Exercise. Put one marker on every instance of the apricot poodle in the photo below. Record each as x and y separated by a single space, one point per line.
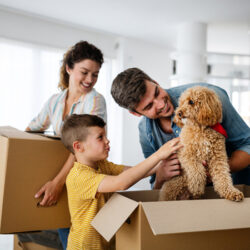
199 112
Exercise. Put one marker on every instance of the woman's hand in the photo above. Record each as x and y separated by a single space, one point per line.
50 192
52 189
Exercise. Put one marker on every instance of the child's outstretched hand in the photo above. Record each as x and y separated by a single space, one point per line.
169 148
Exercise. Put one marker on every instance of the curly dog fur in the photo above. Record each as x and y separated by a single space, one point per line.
199 109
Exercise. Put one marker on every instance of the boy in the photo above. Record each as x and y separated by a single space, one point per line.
92 176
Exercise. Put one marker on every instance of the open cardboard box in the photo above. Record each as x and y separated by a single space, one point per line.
140 221
27 162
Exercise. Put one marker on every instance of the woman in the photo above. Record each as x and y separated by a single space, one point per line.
78 75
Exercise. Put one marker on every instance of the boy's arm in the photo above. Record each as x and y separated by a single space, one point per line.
132 175
126 168
149 173
153 170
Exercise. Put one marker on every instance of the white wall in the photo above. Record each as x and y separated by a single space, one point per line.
27 28
232 38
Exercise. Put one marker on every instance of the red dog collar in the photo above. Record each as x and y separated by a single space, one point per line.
218 127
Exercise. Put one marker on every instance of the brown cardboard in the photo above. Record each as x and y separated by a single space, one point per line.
117 202
208 223
27 161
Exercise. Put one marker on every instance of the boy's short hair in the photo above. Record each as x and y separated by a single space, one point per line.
129 87
75 128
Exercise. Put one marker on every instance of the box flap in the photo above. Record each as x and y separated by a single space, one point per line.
114 213
169 217
11 132
141 195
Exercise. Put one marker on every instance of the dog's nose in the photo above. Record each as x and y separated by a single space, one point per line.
180 114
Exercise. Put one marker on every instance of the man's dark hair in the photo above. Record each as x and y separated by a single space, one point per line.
75 128
129 87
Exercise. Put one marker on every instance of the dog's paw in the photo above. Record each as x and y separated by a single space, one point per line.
235 196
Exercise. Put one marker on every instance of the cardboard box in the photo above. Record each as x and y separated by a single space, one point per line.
27 162
140 221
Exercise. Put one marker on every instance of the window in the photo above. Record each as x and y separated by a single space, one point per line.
232 73
30 75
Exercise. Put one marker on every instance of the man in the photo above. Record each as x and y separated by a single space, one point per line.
142 96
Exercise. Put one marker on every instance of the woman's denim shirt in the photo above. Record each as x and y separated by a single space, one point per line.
151 138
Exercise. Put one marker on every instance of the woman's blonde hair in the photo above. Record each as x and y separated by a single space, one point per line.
80 51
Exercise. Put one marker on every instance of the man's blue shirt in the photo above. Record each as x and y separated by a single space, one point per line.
152 137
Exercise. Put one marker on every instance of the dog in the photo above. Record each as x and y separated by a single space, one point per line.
198 114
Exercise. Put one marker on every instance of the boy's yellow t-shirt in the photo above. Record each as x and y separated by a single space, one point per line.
84 202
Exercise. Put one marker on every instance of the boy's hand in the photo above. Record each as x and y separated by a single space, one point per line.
51 192
169 148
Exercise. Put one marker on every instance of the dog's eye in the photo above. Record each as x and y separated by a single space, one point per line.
191 102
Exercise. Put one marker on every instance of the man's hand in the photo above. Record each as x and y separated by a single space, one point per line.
51 192
167 169
239 160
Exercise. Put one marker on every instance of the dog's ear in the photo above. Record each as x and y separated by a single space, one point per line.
210 111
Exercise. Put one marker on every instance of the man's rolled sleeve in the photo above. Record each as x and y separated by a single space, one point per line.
237 130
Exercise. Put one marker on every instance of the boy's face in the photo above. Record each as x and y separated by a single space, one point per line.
155 103
96 145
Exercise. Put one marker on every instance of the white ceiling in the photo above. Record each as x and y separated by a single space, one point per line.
151 20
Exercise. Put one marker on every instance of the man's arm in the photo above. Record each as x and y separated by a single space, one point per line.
239 160
238 141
